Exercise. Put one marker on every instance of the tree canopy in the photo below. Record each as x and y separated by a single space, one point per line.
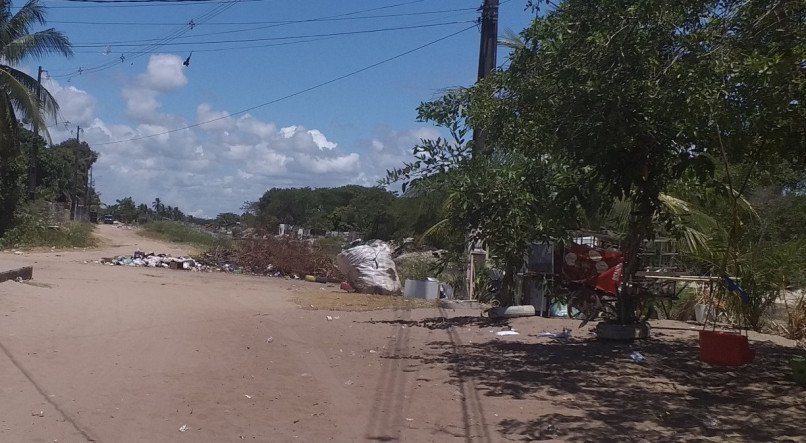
619 102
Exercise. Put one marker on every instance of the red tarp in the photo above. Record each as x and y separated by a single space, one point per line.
596 267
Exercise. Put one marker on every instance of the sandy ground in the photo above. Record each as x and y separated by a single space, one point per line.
100 353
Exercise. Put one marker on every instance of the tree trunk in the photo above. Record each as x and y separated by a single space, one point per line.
638 230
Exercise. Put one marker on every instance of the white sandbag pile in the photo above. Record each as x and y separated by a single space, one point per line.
369 268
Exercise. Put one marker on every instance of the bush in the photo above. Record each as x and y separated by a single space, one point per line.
32 230
795 322
416 266
178 232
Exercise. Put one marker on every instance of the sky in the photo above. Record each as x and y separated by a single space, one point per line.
274 94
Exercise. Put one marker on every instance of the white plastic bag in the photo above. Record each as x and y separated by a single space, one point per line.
369 268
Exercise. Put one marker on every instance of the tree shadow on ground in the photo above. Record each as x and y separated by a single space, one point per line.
601 394
435 323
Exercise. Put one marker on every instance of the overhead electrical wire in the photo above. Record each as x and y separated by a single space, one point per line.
267 22
262 39
259 28
294 94
236 48
143 1
184 3
147 49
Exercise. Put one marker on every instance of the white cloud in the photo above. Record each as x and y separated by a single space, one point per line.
78 104
323 165
164 73
216 166
320 140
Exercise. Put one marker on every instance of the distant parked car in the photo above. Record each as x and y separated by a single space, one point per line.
108 219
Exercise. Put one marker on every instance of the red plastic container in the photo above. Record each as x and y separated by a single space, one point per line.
725 348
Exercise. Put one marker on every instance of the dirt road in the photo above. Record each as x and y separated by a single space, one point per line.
100 353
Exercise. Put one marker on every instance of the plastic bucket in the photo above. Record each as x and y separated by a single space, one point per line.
724 348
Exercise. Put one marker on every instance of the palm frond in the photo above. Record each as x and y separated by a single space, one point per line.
436 231
22 21
47 103
695 223
511 40
20 94
38 44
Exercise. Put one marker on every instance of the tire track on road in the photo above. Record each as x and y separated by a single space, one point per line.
386 414
473 419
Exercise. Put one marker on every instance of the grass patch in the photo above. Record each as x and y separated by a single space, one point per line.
178 232
33 235
33 230
314 298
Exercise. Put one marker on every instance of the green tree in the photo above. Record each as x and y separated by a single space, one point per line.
225 219
126 210
158 207
615 101
18 92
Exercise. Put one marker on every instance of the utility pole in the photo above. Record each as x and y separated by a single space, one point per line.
488 46
33 166
78 131
488 49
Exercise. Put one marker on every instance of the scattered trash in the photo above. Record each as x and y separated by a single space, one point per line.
38 414
550 429
247 396
183 428
637 357
329 318
409 419
503 333
344 286
566 333
348 383
270 339
153 260
710 422
257 257
372 351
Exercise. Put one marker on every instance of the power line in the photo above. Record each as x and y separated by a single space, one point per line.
196 21
213 12
294 94
143 5
184 3
143 1
270 22
236 48
262 39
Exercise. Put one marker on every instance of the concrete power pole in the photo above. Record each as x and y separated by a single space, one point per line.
488 49
33 167
489 38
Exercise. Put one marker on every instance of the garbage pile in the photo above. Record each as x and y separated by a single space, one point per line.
268 257
152 260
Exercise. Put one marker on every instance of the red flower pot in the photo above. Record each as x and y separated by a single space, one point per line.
725 348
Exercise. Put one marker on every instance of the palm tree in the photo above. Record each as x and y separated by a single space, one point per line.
18 91
158 206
